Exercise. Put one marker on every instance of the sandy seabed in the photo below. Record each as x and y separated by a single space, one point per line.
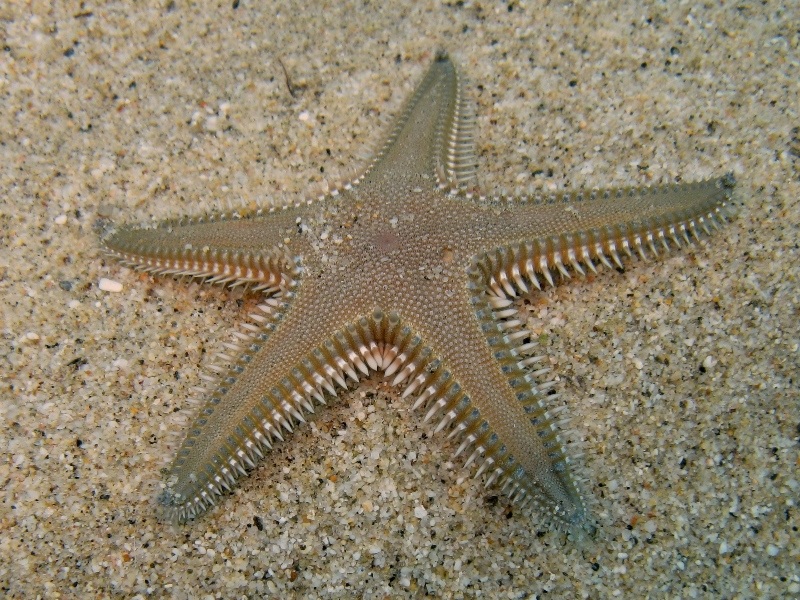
681 374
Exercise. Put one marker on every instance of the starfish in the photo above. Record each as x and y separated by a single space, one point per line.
407 271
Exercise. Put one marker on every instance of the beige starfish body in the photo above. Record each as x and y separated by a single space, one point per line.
404 272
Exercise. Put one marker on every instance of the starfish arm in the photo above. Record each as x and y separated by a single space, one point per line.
574 231
497 402
222 249
433 137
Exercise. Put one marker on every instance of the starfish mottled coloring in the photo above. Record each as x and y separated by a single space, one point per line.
406 272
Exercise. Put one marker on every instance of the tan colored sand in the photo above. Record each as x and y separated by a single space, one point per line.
681 375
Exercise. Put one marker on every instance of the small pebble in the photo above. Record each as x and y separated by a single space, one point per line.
106 211
109 285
